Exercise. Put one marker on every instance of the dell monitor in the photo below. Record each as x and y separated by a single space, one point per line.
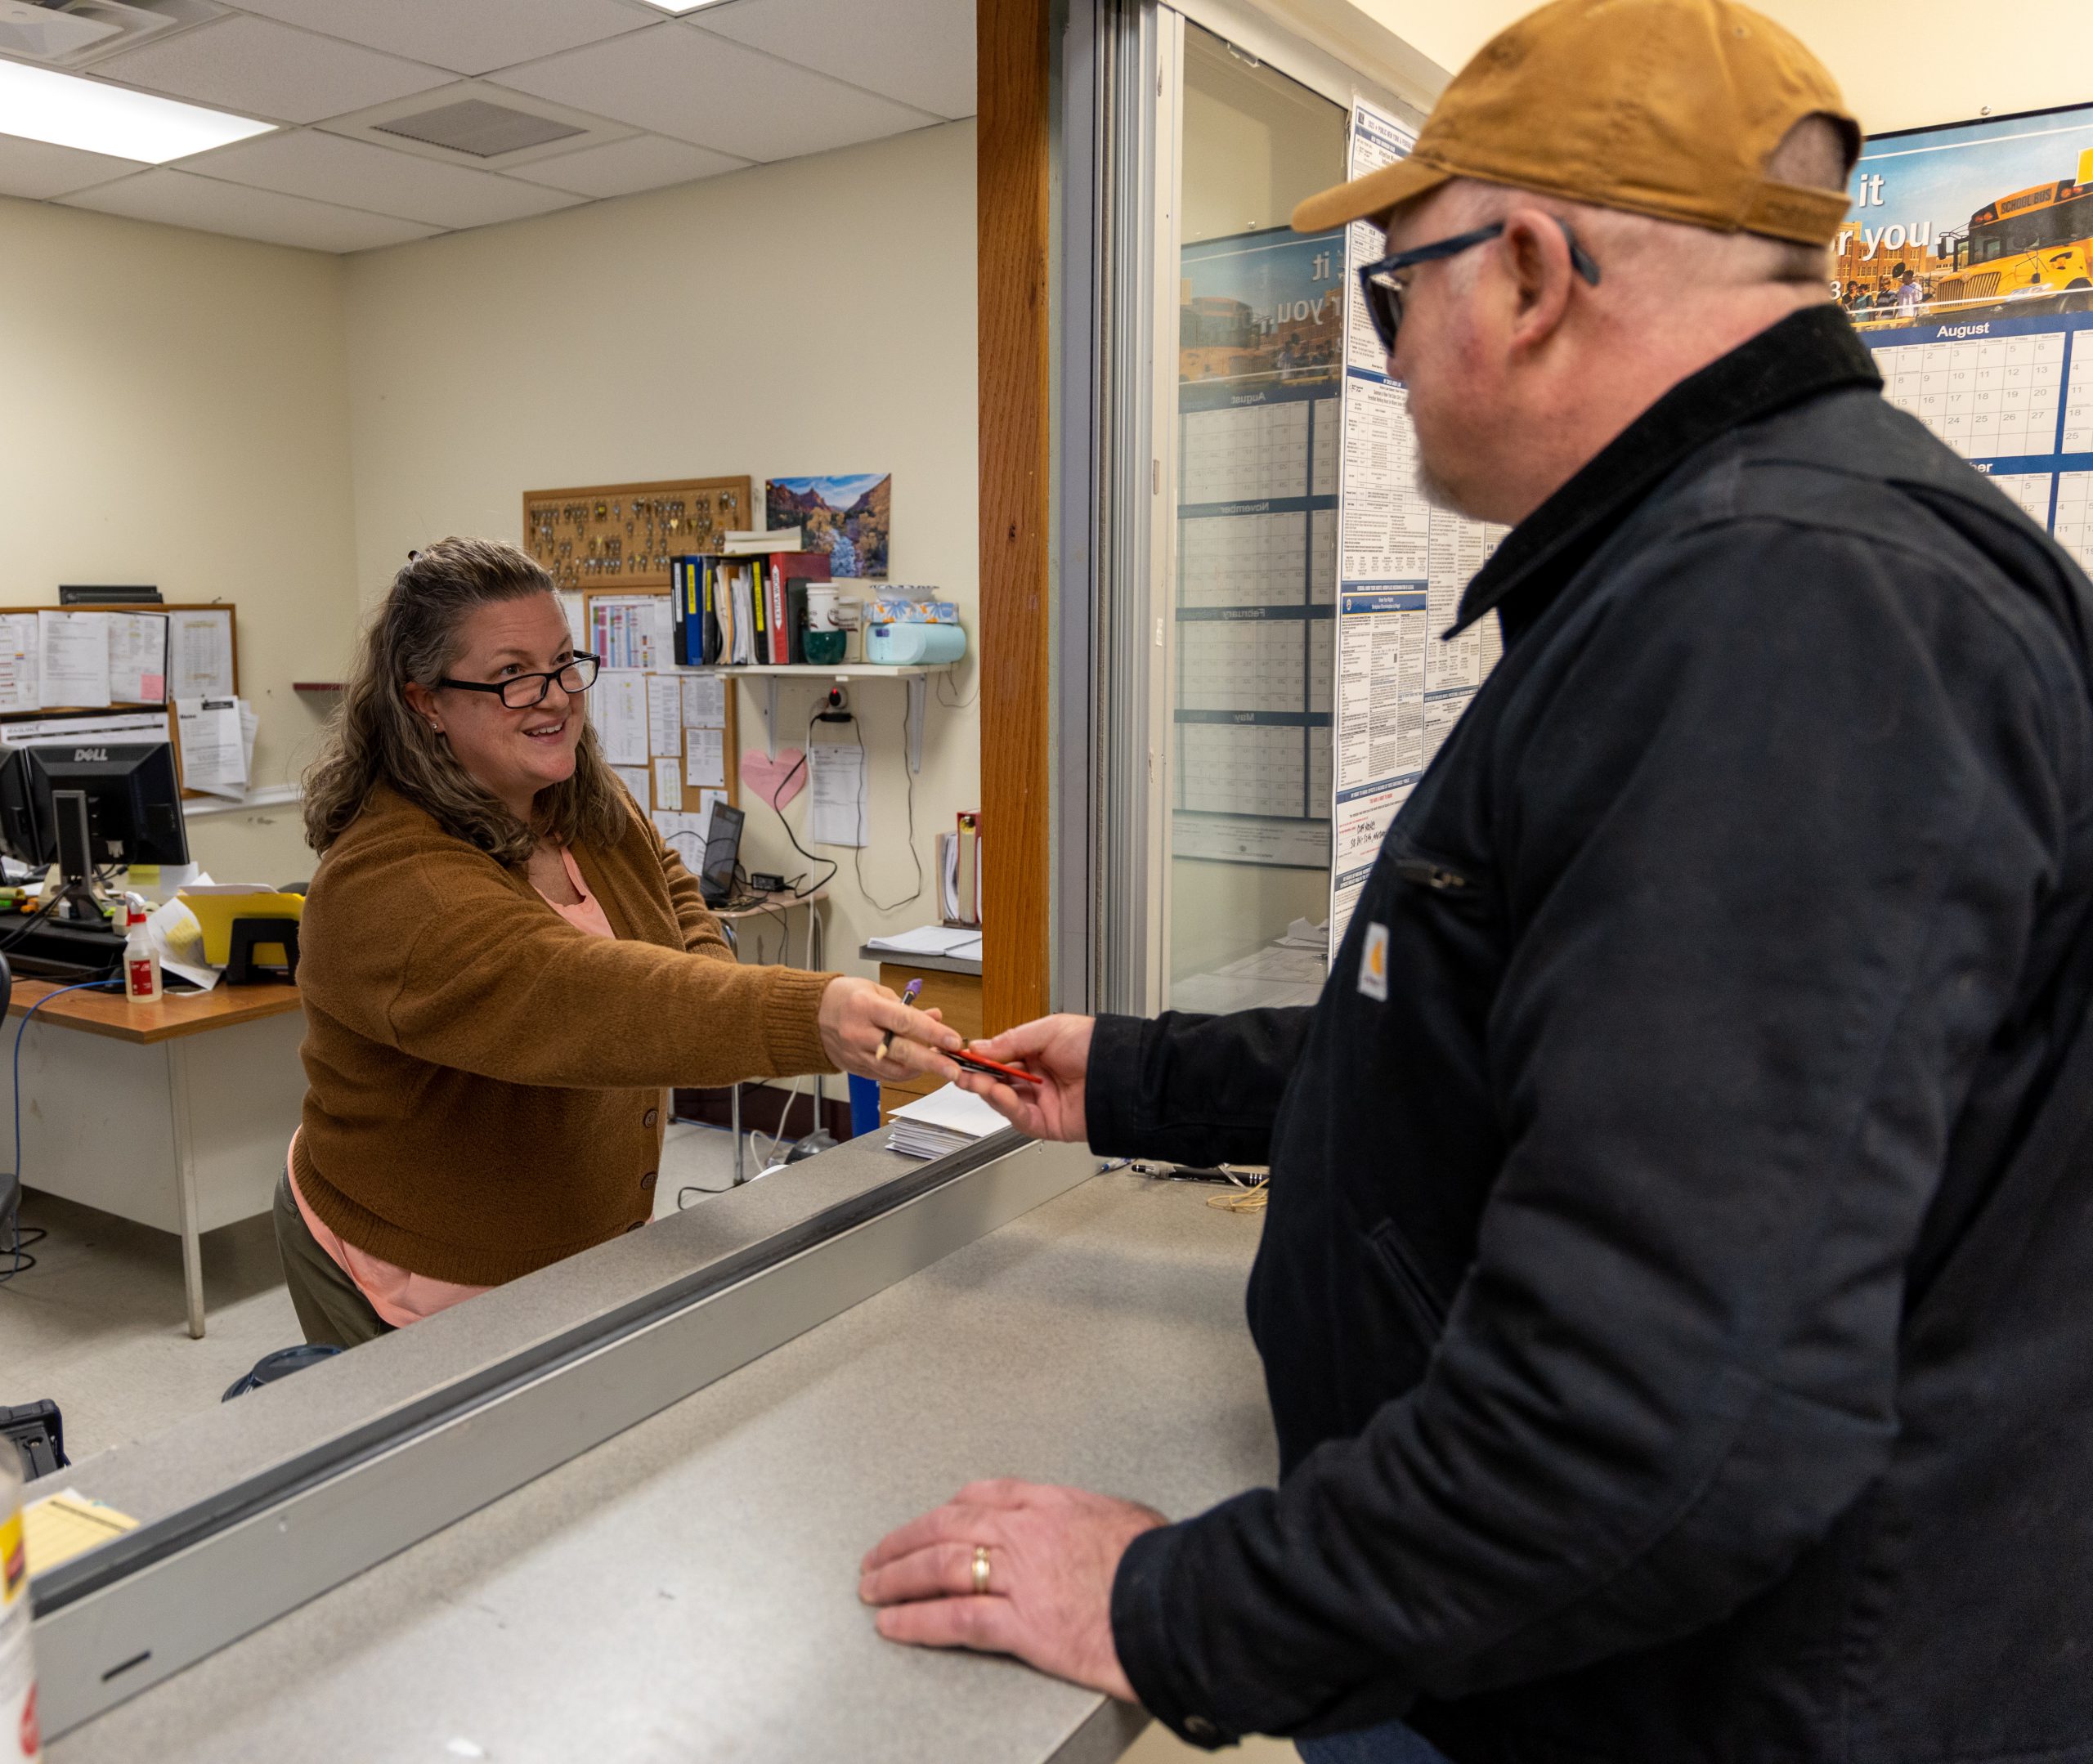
133 805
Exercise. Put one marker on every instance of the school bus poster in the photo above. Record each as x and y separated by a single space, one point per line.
1985 219
1966 263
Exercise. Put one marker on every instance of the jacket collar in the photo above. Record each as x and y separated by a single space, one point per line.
1809 352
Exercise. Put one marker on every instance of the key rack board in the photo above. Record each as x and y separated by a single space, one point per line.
623 536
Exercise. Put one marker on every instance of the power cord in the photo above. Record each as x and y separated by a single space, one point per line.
792 1090
799 766
857 853
23 1262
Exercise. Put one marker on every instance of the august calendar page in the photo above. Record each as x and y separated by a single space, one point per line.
1967 266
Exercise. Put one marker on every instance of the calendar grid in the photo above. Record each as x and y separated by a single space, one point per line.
2014 396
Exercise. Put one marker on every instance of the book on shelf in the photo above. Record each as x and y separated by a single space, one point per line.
759 542
959 871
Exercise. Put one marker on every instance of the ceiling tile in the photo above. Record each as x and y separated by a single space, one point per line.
259 68
329 168
466 36
181 199
918 51
640 161
35 168
680 82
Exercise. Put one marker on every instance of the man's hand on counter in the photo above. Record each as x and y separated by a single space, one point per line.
1058 1048
1052 1554
858 1017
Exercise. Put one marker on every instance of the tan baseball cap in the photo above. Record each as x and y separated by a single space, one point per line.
1669 108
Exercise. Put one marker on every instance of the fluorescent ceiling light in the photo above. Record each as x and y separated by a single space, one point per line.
67 111
682 6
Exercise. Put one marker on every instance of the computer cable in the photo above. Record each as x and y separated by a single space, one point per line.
22 1263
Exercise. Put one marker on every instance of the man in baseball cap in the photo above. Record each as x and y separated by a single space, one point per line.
1674 1298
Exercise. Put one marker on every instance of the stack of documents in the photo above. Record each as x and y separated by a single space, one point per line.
945 1122
930 940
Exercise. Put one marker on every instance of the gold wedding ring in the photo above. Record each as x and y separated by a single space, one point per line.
980 1570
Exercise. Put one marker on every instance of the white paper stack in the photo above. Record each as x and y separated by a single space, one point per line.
930 940
945 1122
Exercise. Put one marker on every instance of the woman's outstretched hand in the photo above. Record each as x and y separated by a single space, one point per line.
1058 1048
857 1015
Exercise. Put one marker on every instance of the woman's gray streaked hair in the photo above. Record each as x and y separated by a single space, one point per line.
375 738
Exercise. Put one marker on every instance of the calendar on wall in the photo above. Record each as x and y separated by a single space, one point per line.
1967 266
1260 324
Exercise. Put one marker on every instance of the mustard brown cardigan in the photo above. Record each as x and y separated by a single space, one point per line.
484 1079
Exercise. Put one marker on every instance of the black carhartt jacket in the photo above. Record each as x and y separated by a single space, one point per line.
1672 1361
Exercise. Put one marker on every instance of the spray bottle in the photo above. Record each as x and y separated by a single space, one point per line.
141 962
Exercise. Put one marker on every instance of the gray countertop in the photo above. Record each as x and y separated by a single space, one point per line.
689 1589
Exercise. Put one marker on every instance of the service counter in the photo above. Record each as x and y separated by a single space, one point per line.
687 1588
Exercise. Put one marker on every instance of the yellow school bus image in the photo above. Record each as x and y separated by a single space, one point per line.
2035 245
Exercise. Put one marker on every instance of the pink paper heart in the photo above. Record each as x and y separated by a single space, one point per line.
777 780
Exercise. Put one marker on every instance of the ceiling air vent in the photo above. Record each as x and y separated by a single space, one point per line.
67 33
485 131
478 123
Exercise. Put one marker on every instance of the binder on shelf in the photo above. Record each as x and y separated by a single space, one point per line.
774 592
793 570
712 637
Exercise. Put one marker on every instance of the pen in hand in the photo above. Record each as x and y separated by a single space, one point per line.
908 998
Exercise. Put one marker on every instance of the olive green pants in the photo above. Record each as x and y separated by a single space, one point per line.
329 1308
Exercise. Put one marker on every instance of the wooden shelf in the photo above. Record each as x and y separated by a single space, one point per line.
842 670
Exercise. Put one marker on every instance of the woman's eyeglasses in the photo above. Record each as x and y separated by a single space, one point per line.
520 692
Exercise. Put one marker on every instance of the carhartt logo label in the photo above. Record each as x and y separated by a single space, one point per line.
1374 963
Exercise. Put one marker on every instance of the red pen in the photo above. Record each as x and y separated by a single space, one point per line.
970 1061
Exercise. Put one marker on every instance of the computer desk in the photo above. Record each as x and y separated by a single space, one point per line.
176 1115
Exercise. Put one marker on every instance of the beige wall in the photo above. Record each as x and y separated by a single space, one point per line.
817 316
176 413
1901 66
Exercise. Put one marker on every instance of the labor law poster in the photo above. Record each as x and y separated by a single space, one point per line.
1400 684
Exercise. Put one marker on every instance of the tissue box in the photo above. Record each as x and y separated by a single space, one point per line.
911 606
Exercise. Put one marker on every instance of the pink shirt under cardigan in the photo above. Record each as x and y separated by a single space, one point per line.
399 1297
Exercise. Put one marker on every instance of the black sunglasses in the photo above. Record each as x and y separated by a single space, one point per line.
1384 298
575 676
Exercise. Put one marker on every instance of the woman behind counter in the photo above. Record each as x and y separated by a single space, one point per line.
503 967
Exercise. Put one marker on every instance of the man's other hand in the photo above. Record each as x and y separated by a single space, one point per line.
1052 1554
1058 1048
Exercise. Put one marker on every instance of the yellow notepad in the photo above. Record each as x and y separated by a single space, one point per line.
63 1525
